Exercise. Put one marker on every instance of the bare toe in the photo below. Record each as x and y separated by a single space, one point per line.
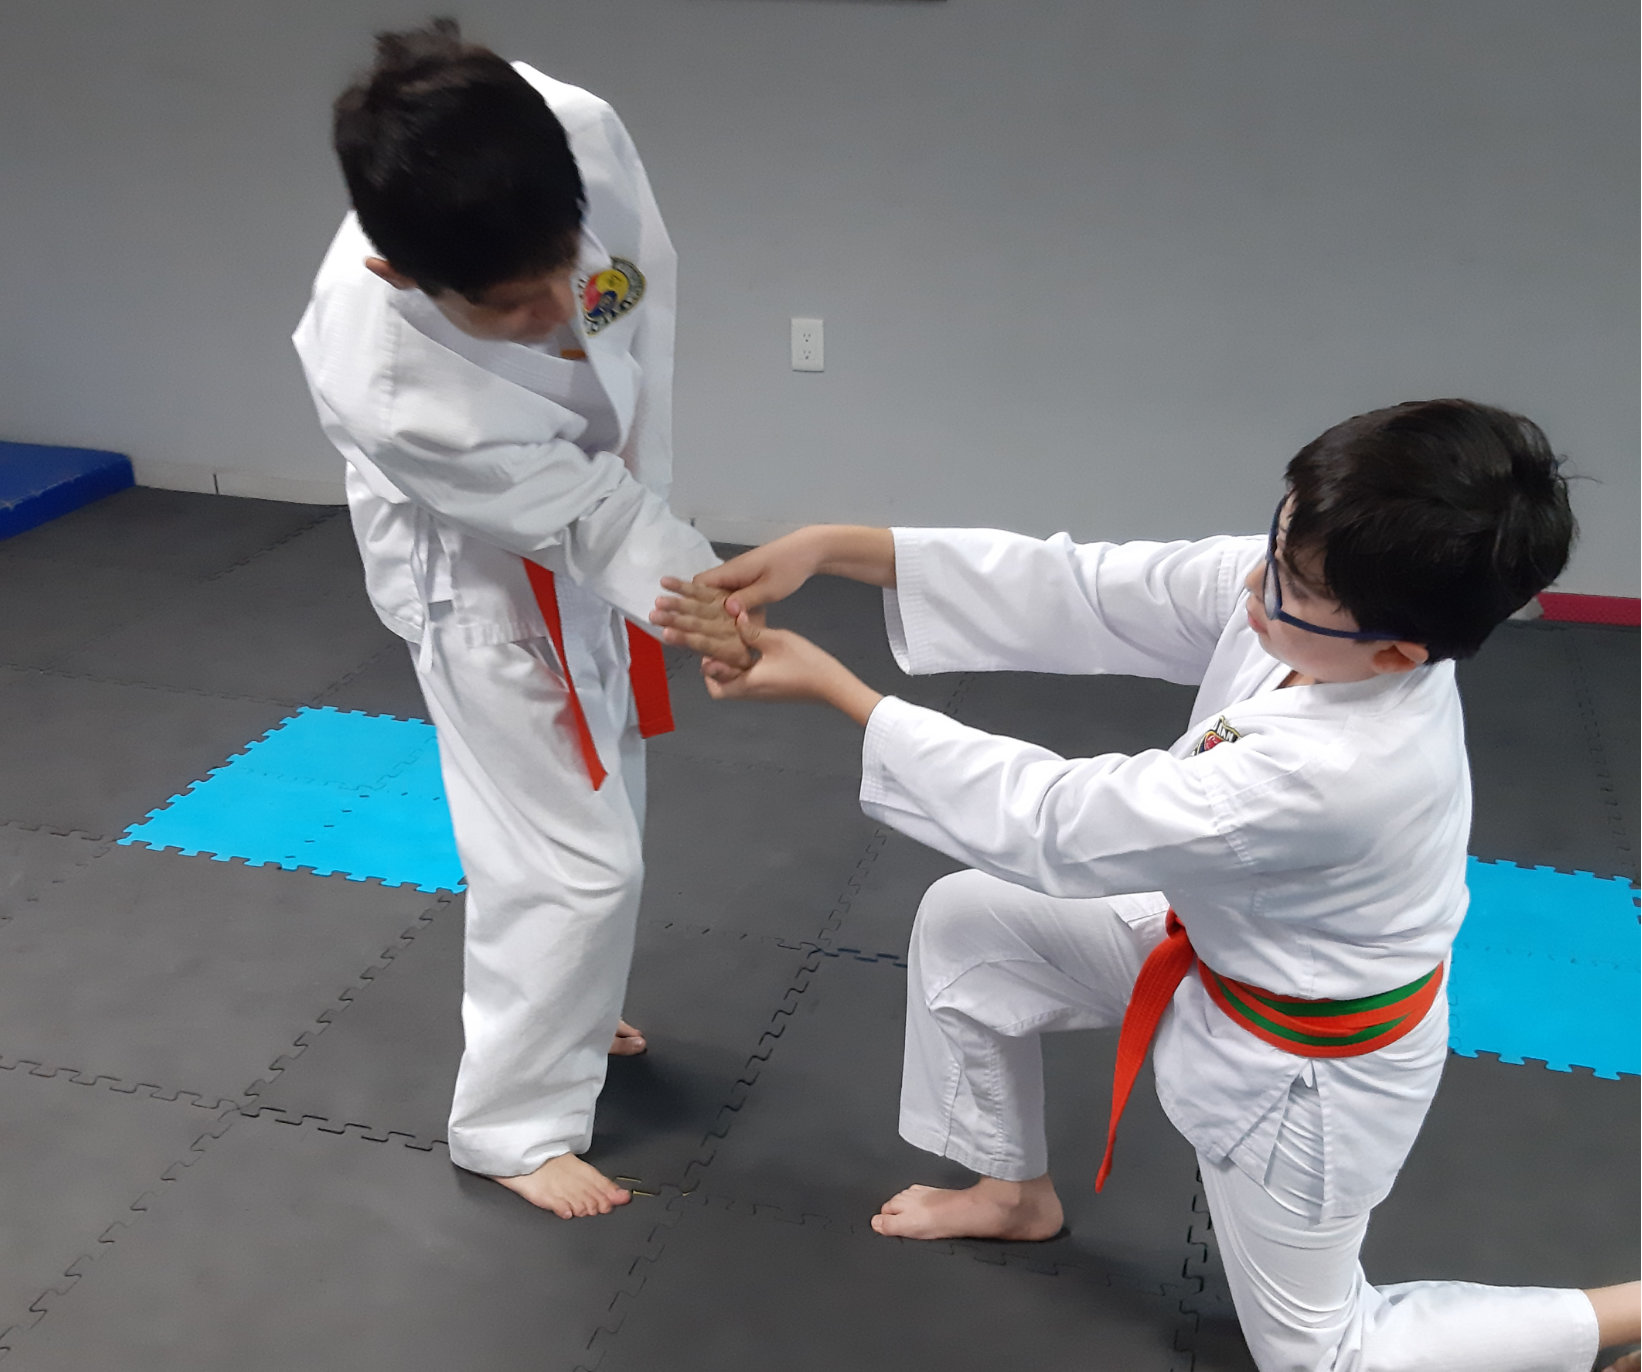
628 1042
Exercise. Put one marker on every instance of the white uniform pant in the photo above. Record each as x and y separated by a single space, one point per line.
553 872
993 966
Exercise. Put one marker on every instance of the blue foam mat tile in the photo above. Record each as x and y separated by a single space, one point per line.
331 792
38 482
1547 968
1556 914
1562 1013
340 748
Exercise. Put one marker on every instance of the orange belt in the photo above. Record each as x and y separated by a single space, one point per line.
1310 1028
647 671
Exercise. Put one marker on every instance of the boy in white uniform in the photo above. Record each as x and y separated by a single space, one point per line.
489 345
1309 831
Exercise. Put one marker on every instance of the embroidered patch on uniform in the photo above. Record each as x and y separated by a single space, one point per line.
1221 733
610 294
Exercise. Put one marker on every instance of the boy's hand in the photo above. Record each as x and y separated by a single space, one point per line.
789 667
694 617
772 572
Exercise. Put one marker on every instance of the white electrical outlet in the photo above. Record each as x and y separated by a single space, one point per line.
807 354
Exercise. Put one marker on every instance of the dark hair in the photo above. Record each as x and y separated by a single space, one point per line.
458 170
1434 520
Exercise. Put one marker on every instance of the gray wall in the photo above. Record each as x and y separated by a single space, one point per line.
1089 264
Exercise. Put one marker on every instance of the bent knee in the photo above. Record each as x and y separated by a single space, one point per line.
962 920
955 902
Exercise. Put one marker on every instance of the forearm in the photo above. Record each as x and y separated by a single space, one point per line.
849 694
856 551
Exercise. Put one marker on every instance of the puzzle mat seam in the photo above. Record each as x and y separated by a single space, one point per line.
47 1302
242 1102
346 997
696 1172
999 1255
28 894
742 1087
397 647
284 703
678 1205
322 517
734 1098
621 1302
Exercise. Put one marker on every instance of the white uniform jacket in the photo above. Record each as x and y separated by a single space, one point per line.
465 455
1316 848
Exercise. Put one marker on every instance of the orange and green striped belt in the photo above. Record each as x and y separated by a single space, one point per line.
1308 1028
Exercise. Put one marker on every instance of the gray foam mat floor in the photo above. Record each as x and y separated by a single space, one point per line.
1077 716
842 1046
96 756
289 1247
313 1220
181 532
737 1288
1552 763
32 859
192 979
76 1156
721 849
302 637
707 999
385 685
49 611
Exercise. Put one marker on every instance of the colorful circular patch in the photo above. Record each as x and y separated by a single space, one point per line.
611 293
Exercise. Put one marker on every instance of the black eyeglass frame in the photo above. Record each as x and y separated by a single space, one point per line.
1271 596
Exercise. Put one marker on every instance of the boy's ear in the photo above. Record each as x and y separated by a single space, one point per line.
380 266
1393 658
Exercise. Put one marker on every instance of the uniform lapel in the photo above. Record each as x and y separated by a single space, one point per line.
607 351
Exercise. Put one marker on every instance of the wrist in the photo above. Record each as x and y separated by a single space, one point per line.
848 694
857 551
814 545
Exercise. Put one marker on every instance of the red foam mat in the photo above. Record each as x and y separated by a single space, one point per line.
1592 609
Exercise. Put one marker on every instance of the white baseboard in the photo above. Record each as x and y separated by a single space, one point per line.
187 476
174 476
739 529
298 490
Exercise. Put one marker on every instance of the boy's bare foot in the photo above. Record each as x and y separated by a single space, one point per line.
569 1188
1626 1362
628 1043
990 1209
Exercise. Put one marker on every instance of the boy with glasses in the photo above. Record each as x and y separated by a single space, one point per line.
1304 845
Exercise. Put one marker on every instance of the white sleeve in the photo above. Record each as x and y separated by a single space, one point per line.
985 600
455 451
492 458
1086 827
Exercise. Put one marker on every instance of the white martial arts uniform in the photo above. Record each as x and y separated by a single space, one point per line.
463 457
1311 839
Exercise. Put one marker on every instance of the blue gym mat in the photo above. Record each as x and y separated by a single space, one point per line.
38 483
1546 967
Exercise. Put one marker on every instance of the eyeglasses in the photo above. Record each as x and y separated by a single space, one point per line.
1272 595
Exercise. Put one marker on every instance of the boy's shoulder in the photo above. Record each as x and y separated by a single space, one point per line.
1338 761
